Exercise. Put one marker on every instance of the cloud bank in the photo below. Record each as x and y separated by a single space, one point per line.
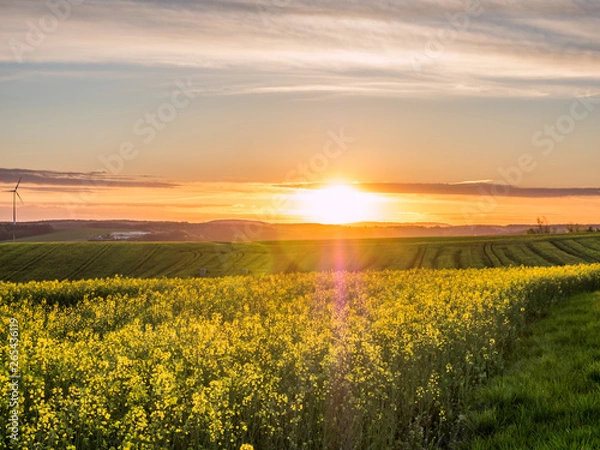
466 189
346 47
75 181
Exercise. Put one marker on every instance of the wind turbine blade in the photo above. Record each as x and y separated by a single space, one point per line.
18 183
20 197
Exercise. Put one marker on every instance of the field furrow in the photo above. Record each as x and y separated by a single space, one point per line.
48 261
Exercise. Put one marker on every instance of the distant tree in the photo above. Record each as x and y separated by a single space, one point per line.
543 226
8 231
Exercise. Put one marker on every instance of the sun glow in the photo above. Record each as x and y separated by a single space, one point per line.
338 204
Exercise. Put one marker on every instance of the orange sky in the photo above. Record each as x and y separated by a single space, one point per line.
197 202
179 110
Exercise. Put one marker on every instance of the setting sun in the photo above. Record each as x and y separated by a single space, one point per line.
338 204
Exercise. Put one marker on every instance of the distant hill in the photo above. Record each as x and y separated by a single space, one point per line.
245 230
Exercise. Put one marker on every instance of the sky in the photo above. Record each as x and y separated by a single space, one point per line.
220 109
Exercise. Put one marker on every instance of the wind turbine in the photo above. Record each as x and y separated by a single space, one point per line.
15 193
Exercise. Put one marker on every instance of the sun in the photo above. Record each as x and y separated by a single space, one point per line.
338 204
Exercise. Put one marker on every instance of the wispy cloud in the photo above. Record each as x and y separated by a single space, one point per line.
520 48
466 188
75 181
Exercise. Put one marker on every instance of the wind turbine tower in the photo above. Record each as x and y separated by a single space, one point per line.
15 193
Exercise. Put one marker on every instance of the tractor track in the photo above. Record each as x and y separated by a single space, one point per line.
417 261
138 266
436 257
564 246
551 260
95 257
489 262
31 263
456 257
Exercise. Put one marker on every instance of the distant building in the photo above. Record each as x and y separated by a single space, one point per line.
121 236
127 235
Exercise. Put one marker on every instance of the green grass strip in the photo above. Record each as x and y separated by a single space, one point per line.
549 397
